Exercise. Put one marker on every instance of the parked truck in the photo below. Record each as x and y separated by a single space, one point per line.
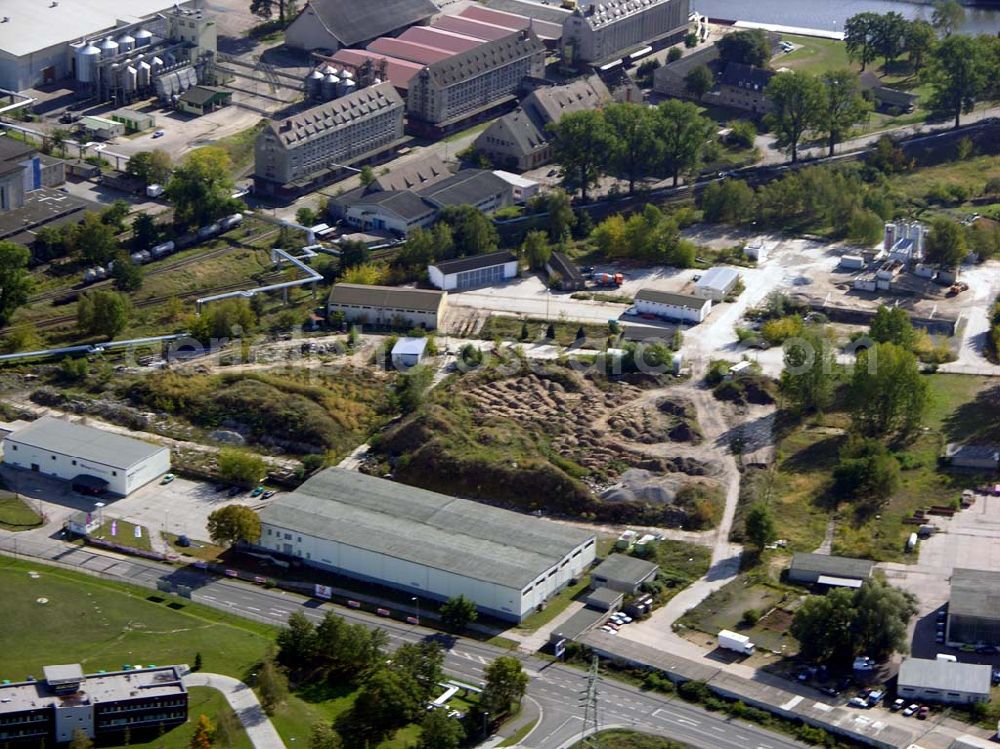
608 279
154 191
735 642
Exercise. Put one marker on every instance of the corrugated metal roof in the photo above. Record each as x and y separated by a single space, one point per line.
391 297
718 279
83 442
513 21
624 569
412 51
466 187
671 298
440 38
834 566
453 535
475 262
409 346
488 32
945 676
354 21
975 593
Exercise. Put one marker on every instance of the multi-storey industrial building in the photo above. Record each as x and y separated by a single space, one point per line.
601 31
298 153
474 83
103 705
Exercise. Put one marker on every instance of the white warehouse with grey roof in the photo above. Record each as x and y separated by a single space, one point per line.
93 459
426 543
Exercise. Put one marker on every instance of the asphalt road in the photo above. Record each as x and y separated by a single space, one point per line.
556 688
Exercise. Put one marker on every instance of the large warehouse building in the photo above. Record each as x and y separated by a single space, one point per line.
332 24
426 543
974 608
94 460
39 41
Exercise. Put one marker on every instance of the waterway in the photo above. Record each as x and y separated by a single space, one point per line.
830 15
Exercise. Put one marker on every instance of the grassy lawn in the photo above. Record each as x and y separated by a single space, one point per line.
755 590
622 739
240 147
16 514
799 487
972 174
515 738
555 606
103 625
201 701
814 55
469 131
204 550
681 561
123 533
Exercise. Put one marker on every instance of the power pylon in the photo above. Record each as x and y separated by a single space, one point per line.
591 722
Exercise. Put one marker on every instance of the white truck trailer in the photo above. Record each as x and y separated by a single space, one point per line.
736 642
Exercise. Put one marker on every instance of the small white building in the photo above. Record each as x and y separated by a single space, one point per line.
473 272
756 250
672 306
944 681
408 352
716 284
94 460
102 127
523 188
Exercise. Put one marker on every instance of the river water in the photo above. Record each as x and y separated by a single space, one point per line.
831 14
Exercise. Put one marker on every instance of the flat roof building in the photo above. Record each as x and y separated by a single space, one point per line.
298 153
623 573
716 283
825 569
408 352
332 24
974 608
473 272
481 189
388 306
944 681
69 451
671 305
143 701
426 543
36 38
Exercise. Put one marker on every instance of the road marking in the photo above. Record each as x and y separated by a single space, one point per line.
210 598
717 728
253 608
687 722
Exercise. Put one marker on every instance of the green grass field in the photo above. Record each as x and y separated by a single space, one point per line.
622 739
814 55
124 534
800 487
201 701
16 514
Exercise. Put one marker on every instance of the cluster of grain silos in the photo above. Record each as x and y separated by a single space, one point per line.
326 83
123 65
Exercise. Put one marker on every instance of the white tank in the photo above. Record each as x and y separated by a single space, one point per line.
347 74
130 78
314 84
109 48
145 74
143 38
347 86
156 64
328 70
126 43
86 59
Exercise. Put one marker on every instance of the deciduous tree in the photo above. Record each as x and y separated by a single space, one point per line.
152 167
202 738
890 36
233 523
810 371
95 240
472 232
888 395
201 187
759 526
535 249
918 40
948 15
749 47
104 313
324 737
438 731
730 201
582 143
297 642
634 146
958 74
458 612
860 37
841 105
272 685
945 244
505 685
144 231
796 101
15 280
127 275
698 81
893 325
241 466
682 132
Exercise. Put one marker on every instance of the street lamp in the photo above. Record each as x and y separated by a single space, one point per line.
417 601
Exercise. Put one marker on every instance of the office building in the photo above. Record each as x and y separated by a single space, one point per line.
601 32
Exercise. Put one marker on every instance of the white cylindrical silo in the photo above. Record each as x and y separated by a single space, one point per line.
347 86
126 42
109 48
86 59
330 87
143 38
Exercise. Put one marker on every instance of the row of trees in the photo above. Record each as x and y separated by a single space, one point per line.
868 36
630 142
650 235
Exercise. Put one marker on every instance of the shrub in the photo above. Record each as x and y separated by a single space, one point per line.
674 54
694 691
750 617
780 330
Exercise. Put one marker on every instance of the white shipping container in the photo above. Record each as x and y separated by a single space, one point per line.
737 642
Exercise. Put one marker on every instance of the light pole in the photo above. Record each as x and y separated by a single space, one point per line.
100 514
417 601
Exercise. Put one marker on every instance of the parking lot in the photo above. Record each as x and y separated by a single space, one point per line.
969 539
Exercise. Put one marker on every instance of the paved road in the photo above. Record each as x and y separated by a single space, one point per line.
244 702
556 688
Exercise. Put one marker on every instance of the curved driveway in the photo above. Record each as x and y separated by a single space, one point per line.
244 702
